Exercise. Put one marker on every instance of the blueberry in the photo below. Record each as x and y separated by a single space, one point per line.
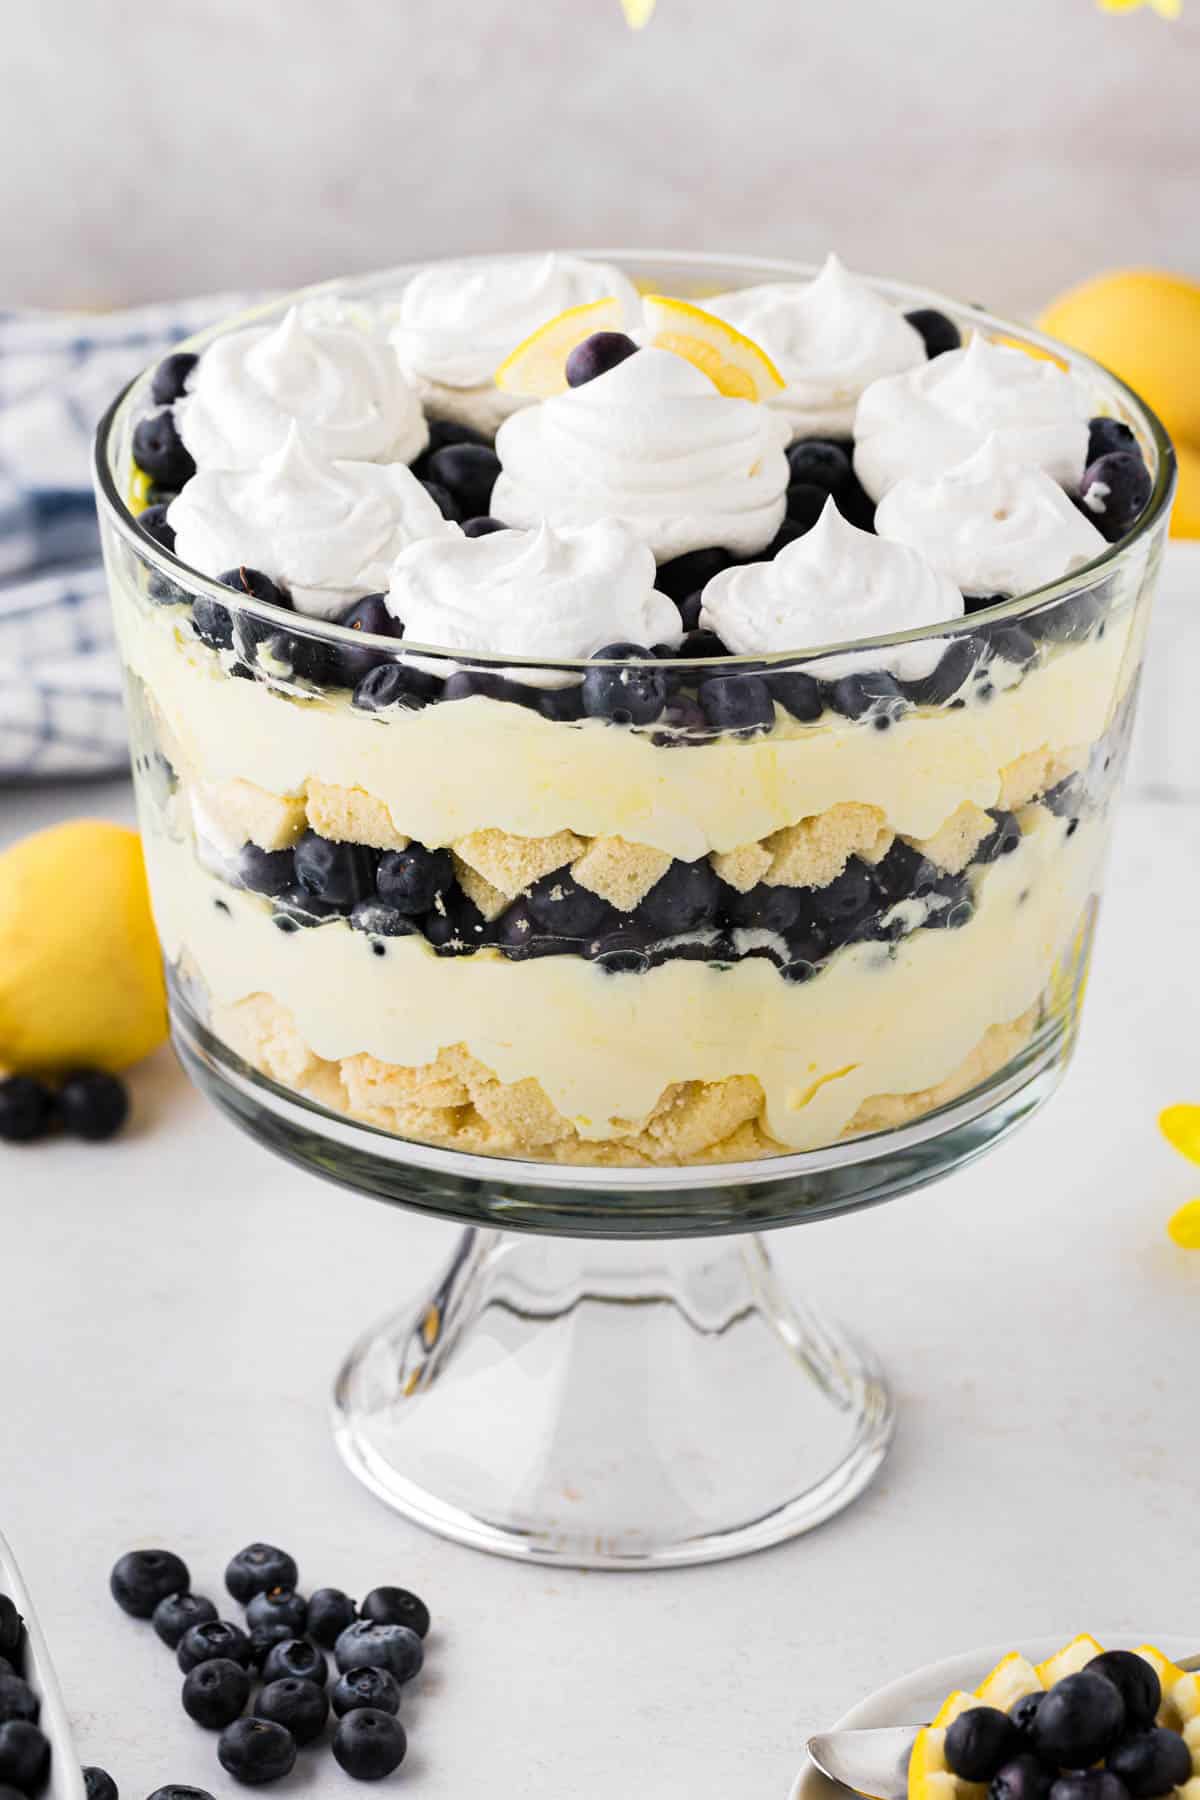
17 1700
443 499
483 526
1025 1710
684 899
597 355
177 1613
369 1743
624 951
12 1631
1023 1778
98 1784
682 722
632 693
141 1578
1090 1784
369 615
295 1659
805 504
798 693
24 1756
153 521
564 704
738 703
1065 800
215 1693
26 1113
788 533
689 610
278 1606
159 450
265 871
256 1750
939 332
765 908
256 586
1000 842
1151 1762
456 927
687 574
175 1790
816 462
394 684
395 1648
93 1104
975 603
264 1638
1012 644
952 904
301 1707
412 880
338 873
556 904
469 472
980 1741
256 1569
365 1687
697 644
844 905
1079 1721
1105 436
1067 621
522 940
1131 1675
904 874
484 684
375 919
171 377
875 695
212 623
1114 490
205 1642
954 667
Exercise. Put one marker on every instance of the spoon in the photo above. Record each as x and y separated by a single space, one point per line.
875 1761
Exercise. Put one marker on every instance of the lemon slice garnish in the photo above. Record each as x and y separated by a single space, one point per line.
1070 1660
536 369
734 363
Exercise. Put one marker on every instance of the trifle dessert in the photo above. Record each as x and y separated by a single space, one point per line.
581 723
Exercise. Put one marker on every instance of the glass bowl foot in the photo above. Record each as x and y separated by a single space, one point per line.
612 1406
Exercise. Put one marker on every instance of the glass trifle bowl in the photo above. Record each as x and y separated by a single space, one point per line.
565 950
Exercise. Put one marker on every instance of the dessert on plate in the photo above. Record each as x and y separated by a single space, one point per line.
596 727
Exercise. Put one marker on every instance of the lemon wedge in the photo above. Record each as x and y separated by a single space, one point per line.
537 368
735 364
1070 1660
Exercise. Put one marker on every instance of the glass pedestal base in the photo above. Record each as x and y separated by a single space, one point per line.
612 1406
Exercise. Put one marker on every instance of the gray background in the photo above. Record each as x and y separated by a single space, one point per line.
998 149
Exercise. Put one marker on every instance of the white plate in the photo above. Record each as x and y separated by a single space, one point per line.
917 1696
66 1777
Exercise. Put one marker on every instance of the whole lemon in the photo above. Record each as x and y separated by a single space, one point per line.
1145 327
1185 520
81 980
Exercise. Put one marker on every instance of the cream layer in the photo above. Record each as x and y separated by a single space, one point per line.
604 1047
473 764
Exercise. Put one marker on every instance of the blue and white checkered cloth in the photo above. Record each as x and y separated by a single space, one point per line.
60 692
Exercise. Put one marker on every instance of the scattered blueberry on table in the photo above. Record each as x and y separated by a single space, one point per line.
280 1653
88 1103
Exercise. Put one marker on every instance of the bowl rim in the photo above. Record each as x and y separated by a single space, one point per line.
114 508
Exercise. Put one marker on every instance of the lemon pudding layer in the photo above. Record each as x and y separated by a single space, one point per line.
567 838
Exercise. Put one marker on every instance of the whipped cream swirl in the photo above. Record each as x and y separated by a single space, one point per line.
328 531
557 594
344 386
830 338
834 583
456 322
935 417
651 443
991 526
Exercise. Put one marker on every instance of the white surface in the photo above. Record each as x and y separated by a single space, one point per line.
173 1306
913 1698
998 150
